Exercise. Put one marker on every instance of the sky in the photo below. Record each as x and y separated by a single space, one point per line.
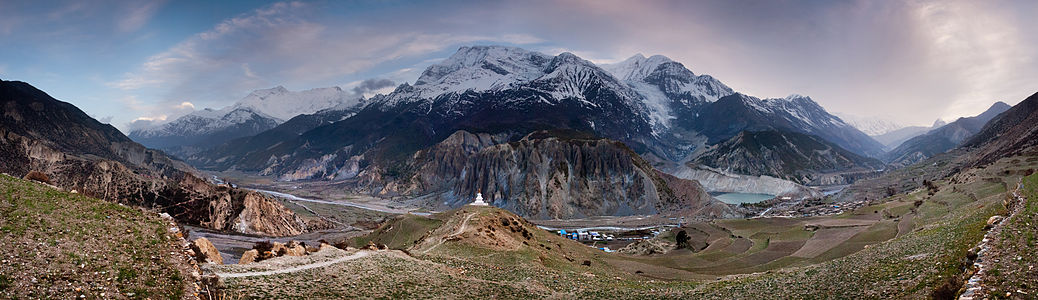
141 62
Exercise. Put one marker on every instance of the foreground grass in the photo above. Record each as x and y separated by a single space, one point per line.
62 245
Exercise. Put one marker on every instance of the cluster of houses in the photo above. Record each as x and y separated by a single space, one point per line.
583 235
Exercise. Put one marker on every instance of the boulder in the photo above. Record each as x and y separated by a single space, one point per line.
248 257
994 220
37 176
205 251
298 250
278 249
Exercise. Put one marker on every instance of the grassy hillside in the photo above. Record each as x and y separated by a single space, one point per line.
400 233
1013 265
63 245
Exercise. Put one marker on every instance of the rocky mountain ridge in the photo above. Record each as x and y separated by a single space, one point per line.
76 152
260 111
1011 132
797 157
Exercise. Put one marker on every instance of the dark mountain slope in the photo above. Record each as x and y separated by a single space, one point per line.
185 136
942 139
801 158
40 133
733 114
1011 132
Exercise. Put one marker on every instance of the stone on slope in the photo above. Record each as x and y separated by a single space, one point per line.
248 257
205 252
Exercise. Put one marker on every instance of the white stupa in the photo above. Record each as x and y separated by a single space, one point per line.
479 199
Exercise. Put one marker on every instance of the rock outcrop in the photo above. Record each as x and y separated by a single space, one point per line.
205 252
248 257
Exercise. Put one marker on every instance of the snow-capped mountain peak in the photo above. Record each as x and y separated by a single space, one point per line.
481 68
283 104
569 76
636 67
669 77
873 126
793 97
263 93
495 68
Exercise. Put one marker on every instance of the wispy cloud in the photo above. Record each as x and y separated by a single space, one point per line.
137 14
279 45
9 17
66 10
185 105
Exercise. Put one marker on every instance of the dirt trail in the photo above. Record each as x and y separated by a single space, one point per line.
357 255
461 229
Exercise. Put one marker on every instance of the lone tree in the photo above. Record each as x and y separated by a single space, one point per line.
683 239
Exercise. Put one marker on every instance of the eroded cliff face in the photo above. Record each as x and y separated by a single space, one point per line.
181 194
547 177
718 181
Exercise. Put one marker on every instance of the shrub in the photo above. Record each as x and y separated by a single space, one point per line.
683 240
5 282
37 176
948 289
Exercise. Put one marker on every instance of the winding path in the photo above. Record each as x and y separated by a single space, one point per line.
461 229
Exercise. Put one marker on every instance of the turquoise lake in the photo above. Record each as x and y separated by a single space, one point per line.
739 198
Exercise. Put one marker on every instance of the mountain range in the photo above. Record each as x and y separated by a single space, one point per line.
260 111
654 106
544 136
1011 132
943 138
